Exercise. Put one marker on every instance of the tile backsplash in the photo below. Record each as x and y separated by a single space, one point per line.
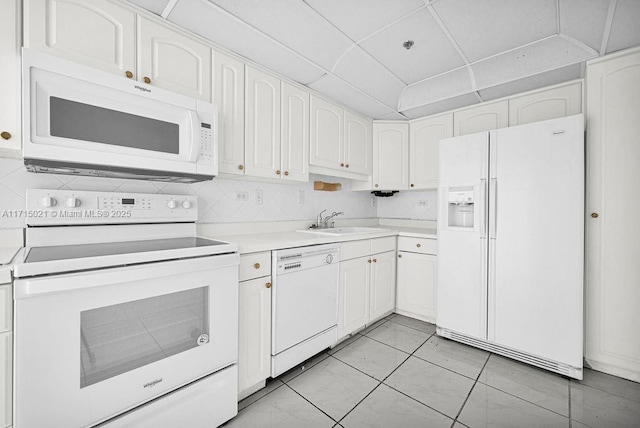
224 200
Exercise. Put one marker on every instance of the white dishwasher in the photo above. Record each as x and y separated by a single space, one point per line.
304 304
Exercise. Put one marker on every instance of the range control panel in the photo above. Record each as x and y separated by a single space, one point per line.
72 207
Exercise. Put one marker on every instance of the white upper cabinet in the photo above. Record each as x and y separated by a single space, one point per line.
484 117
558 101
340 141
424 135
99 33
228 96
327 134
357 143
390 156
10 133
295 134
172 61
262 124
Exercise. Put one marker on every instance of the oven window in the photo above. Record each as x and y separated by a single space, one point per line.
85 122
120 338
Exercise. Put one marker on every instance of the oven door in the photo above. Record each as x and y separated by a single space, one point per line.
89 346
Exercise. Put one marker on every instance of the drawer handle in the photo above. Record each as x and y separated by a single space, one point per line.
257 265
346 165
5 135
277 172
412 185
399 256
369 260
146 80
594 215
286 173
418 245
240 167
128 74
342 165
375 260
268 285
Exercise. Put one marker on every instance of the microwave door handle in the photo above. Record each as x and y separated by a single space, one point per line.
194 150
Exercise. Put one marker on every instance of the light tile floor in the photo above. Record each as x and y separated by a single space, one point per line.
399 373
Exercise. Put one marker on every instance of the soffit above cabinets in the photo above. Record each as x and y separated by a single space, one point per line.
464 51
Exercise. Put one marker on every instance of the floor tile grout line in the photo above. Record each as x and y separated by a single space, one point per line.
398 349
309 401
408 326
251 404
464 403
359 402
605 391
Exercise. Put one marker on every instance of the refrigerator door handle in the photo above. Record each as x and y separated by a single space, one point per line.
493 211
482 208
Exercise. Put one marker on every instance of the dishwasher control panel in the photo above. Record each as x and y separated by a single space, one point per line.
302 258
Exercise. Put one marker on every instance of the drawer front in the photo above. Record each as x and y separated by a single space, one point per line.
417 245
255 265
6 308
354 249
382 245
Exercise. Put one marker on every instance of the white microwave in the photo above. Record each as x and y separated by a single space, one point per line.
81 121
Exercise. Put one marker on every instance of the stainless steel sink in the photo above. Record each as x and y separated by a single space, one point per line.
340 231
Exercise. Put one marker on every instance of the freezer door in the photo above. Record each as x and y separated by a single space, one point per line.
536 233
462 244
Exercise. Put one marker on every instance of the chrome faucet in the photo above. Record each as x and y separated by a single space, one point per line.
324 223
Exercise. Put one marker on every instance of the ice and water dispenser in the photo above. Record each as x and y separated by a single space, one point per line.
461 206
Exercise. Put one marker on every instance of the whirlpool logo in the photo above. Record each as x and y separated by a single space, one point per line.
143 89
152 383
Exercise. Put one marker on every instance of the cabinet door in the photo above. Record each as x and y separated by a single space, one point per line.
353 303
357 143
559 101
262 125
254 336
424 135
390 156
228 96
295 133
327 134
6 383
484 117
10 78
172 61
383 285
612 292
99 33
417 285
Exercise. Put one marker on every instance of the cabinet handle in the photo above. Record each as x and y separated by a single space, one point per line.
399 256
277 172
268 285
418 245
346 165
5 135
145 79
375 260
286 173
369 261
376 185
128 74
240 167
412 185
342 165
594 215
257 265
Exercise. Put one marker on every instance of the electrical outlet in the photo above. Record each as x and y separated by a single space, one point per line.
373 202
423 203
258 197
301 196
242 196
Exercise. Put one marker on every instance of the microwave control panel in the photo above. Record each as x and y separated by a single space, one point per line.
207 148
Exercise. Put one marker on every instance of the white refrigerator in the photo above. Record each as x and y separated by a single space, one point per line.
511 242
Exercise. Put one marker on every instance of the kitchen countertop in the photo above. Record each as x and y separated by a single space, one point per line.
256 242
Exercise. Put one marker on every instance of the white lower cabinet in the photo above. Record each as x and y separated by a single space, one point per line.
367 283
254 323
416 286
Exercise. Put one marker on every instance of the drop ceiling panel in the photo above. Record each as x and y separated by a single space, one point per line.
198 16
539 57
155 6
360 18
625 29
337 90
431 54
488 27
584 20
293 23
441 106
362 71
447 85
536 81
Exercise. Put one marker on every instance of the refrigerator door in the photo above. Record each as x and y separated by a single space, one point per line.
536 212
462 244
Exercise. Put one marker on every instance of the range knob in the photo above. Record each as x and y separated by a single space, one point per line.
48 202
72 202
172 204
186 205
